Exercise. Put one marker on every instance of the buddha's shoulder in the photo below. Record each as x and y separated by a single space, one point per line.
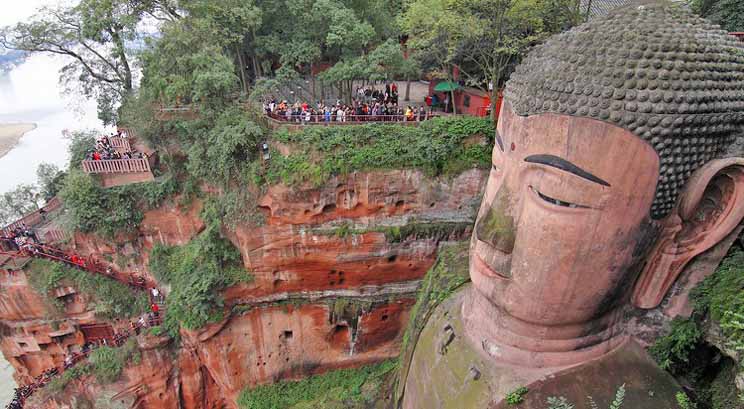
447 370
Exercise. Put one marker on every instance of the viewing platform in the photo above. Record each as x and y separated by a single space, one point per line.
133 162
42 221
297 122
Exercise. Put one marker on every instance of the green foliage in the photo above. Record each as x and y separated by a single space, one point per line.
684 401
81 142
728 13
559 403
222 154
19 202
195 273
516 396
94 36
50 180
721 296
111 298
107 363
617 403
59 383
90 208
672 351
440 146
345 388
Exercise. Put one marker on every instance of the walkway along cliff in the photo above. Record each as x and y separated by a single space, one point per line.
332 272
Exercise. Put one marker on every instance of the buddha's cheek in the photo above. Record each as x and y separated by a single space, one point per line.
558 266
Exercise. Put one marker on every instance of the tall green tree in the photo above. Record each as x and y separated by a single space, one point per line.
94 36
482 39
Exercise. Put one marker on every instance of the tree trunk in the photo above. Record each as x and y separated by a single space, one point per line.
312 80
408 89
241 67
452 101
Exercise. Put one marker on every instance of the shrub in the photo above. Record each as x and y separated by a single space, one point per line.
684 401
721 295
672 351
438 147
559 403
196 272
516 396
107 363
111 298
89 208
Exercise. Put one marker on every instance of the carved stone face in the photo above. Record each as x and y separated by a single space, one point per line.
565 212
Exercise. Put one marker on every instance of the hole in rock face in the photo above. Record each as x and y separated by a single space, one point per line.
329 208
399 203
392 258
384 317
287 334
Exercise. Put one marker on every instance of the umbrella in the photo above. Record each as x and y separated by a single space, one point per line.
447 86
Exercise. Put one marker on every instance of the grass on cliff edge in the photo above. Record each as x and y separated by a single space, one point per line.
340 389
111 298
438 147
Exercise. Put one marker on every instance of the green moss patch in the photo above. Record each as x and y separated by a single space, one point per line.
448 274
346 388
442 146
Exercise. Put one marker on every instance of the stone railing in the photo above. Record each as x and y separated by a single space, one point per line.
116 165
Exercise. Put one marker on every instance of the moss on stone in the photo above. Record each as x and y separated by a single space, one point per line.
358 388
447 275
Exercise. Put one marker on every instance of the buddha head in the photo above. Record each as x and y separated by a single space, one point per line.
610 172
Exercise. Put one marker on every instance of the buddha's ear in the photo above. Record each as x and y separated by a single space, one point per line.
708 210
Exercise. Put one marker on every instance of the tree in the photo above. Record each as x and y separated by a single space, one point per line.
94 35
484 39
50 180
84 201
728 13
230 24
15 204
81 142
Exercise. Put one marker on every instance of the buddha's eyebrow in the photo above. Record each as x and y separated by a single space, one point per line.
562 164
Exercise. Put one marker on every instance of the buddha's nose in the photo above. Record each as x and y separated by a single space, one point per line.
496 226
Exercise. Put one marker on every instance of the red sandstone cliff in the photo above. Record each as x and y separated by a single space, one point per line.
331 289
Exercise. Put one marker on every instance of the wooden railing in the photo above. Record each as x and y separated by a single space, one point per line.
116 165
36 217
120 144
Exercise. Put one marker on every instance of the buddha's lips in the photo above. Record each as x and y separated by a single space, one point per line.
485 269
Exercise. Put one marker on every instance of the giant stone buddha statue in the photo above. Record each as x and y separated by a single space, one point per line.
611 171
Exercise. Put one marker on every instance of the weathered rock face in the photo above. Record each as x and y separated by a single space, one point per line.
336 270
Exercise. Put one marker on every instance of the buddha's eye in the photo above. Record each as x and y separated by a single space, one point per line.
557 202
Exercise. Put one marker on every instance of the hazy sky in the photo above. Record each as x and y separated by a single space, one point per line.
18 10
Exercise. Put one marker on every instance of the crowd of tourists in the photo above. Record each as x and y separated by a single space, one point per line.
105 151
370 105
22 393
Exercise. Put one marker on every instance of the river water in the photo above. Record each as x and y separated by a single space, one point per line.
30 94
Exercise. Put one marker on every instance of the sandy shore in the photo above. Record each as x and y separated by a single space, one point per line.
10 134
